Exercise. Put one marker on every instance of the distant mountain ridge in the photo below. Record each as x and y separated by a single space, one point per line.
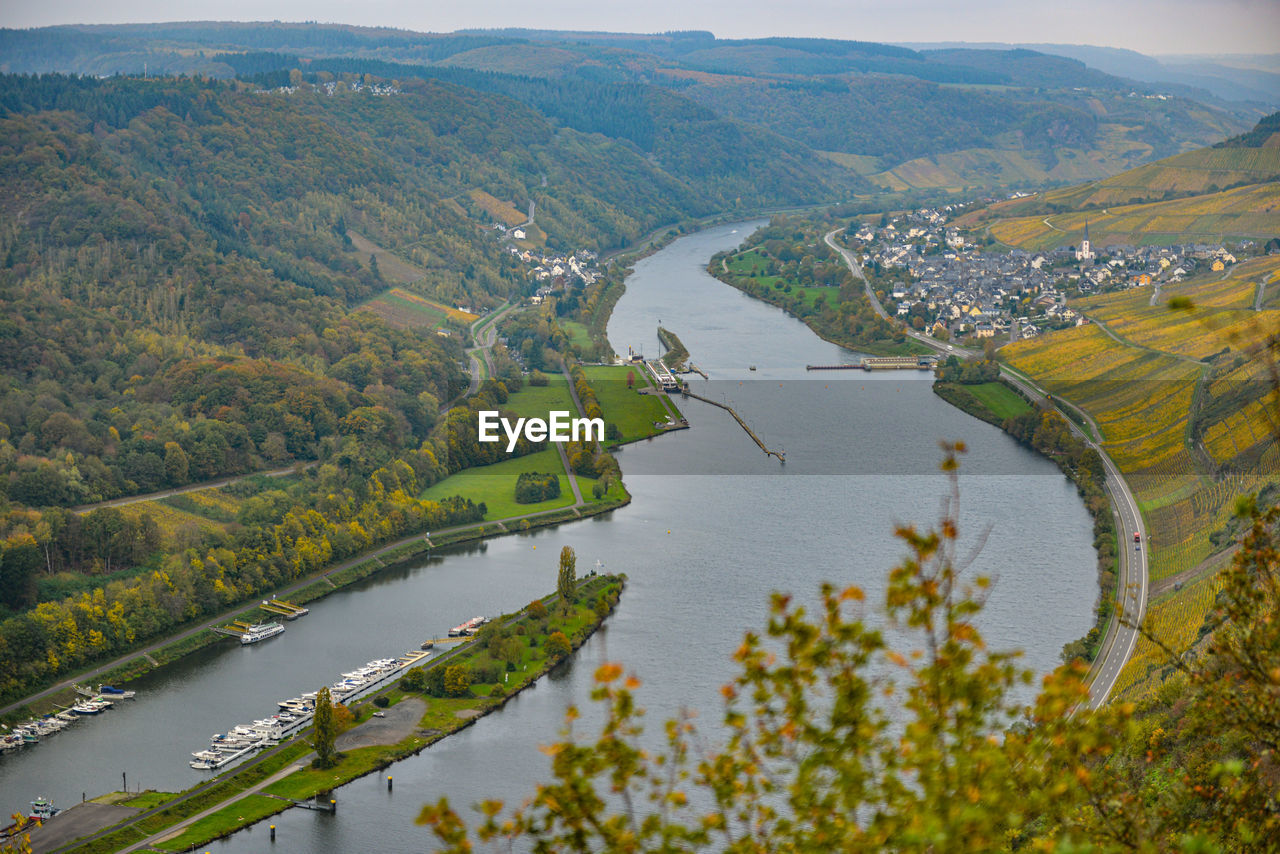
828 110
1214 77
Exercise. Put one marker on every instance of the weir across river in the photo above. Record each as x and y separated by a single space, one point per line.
782 457
880 363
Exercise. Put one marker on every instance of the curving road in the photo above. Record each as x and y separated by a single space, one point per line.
1131 570
484 332
852 263
1132 577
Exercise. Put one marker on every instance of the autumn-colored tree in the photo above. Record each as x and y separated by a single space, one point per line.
558 646
457 681
19 842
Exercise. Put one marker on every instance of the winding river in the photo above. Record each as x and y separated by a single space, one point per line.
714 528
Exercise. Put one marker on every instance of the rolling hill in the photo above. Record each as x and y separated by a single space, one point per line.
939 120
1230 190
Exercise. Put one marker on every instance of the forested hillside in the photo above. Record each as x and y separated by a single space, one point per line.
702 106
181 261
178 265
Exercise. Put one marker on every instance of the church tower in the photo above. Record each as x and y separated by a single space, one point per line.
1085 252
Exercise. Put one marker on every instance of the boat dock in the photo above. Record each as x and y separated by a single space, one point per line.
235 630
281 608
782 457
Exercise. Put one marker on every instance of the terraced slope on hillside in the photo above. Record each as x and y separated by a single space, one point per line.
1185 409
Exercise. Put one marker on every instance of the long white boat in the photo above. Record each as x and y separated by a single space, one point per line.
261 632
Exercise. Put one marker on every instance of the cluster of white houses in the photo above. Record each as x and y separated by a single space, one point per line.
950 286
557 272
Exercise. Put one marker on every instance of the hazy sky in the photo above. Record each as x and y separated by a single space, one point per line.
1149 26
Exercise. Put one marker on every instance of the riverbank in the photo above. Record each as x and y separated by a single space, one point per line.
815 300
1002 405
156 654
455 690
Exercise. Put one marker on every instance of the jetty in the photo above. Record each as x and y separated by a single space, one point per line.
782 457
881 363
281 608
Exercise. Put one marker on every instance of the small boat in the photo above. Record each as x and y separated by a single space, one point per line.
207 755
91 707
109 691
201 765
42 809
753 367
428 645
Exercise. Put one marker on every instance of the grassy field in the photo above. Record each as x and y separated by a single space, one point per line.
578 334
537 401
1147 391
503 212
1000 399
242 812
392 267
632 412
495 485
402 309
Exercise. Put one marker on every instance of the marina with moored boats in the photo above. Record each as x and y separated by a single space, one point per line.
31 731
296 713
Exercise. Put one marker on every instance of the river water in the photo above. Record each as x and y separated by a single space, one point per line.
714 527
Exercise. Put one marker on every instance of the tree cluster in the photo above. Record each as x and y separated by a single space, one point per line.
532 487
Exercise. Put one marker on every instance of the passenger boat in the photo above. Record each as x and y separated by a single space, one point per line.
261 632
